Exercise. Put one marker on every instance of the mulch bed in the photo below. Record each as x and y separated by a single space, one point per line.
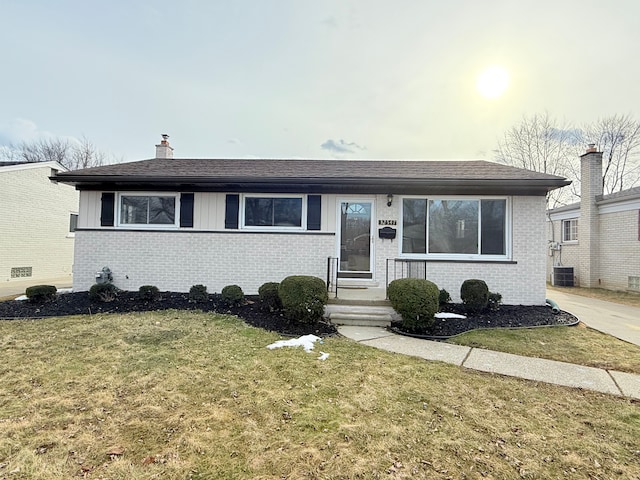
509 316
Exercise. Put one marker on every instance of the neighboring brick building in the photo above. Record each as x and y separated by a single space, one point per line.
599 237
37 216
174 223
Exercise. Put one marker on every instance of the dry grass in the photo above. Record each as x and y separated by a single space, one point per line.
178 395
579 345
625 298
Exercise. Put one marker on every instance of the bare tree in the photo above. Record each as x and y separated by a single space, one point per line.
618 138
73 155
85 155
539 143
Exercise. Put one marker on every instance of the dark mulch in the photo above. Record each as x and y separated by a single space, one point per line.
510 316
79 304
507 316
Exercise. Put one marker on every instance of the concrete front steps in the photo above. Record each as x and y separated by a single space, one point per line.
362 313
359 315
360 306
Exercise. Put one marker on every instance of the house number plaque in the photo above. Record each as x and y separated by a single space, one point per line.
387 222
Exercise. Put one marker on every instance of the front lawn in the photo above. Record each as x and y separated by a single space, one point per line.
184 394
580 345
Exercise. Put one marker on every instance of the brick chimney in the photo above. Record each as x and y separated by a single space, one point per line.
588 223
164 150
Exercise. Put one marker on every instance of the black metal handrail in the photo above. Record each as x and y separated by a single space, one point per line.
405 268
332 275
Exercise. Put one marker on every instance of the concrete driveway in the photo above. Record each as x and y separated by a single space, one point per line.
621 321
17 287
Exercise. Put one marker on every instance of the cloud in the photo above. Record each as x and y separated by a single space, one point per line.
19 130
341 147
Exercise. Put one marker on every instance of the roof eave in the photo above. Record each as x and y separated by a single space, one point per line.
318 185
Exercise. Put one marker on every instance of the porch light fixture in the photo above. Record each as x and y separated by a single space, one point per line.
389 199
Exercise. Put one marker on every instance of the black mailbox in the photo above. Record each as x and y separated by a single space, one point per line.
387 232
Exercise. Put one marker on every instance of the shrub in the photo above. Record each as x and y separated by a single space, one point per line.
494 302
444 297
269 298
416 300
232 294
41 293
474 295
303 298
198 294
149 293
103 292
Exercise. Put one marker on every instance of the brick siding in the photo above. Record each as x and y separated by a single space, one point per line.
34 224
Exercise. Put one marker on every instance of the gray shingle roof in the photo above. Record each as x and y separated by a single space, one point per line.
322 175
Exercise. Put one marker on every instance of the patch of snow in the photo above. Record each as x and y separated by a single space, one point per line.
323 356
448 315
21 297
305 341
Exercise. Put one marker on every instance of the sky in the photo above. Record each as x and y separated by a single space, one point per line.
309 78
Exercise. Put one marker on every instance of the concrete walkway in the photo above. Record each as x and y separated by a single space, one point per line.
537 369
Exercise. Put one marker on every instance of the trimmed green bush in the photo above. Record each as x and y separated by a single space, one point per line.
475 295
41 293
269 298
232 294
494 302
303 298
444 297
198 294
103 292
149 293
416 300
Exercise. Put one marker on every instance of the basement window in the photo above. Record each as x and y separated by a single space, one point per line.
21 272
634 282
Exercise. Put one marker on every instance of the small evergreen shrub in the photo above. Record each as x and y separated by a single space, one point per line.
198 294
494 302
269 298
303 298
149 293
416 300
41 293
444 297
475 295
232 294
103 292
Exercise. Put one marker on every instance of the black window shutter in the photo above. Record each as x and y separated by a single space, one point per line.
313 212
107 209
186 210
232 208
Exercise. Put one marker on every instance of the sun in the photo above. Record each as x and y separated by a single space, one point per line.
492 81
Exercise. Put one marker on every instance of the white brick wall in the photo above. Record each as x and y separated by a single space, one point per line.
34 222
619 249
176 261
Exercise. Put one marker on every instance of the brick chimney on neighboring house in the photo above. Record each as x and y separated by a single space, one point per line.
588 223
164 150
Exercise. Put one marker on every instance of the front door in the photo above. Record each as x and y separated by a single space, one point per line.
355 241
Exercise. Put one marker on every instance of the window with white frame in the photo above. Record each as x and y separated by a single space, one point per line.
455 227
149 210
273 211
570 230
